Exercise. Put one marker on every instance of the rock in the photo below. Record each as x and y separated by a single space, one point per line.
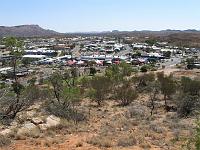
6 132
35 107
52 121
14 124
37 121
31 113
29 129
43 126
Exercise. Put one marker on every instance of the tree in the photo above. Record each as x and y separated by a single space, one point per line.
126 69
167 54
113 72
167 86
190 60
125 94
117 73
17 98
93 71
70 76
192 87
15 46
56 81
151 42
100 87
153 89
74 74
16 101
142 81
188 99
66 97
187 104
144 68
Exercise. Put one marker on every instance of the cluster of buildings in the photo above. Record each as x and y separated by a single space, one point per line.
86 51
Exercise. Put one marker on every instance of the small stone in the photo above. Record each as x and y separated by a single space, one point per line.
37 121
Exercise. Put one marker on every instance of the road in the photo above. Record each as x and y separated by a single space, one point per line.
76 51
127 50
170 64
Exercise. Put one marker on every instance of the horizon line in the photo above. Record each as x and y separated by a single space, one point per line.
101 31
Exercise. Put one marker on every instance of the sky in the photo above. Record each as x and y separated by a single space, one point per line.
102 15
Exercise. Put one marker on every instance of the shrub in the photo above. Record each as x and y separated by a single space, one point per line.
197 136
137 111
188 99
67 96
100 86
65 112
93 71
4 141
192 87
117 72
85 82
193 143
125 95
156 128
187 104
144 68
167 86
143 81
127 141
100 141
126 69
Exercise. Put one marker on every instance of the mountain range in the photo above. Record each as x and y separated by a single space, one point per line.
26 31
188 37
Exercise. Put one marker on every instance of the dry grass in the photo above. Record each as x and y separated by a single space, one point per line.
116 127
126 141
100 141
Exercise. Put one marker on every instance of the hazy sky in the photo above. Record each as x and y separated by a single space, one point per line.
102 15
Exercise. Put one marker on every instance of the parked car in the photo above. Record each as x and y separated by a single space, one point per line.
193 66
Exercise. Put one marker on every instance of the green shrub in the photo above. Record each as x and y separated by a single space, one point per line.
144 68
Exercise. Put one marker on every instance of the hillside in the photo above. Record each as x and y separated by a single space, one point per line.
26 31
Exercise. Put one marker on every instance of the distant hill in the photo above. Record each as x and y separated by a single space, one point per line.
143 33
26 31
187 38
